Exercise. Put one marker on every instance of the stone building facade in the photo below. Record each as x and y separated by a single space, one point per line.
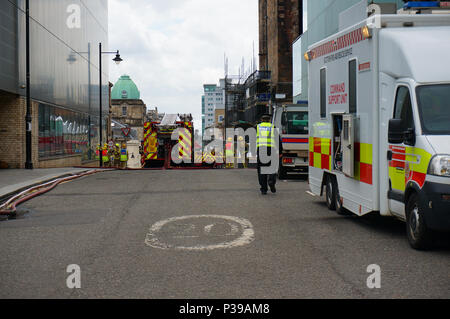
126 105
280 24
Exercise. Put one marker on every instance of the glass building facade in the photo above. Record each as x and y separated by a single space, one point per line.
64 60
63 132
203 116
8 46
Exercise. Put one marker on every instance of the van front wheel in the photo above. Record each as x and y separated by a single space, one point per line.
419 236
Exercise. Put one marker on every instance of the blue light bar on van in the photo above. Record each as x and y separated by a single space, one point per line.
422 4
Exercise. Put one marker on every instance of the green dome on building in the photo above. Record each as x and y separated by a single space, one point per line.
125 89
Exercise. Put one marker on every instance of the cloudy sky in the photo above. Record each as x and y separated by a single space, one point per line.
172 47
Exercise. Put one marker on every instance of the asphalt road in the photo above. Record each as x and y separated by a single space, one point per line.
128 233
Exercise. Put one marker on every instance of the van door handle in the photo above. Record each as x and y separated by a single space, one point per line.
389 155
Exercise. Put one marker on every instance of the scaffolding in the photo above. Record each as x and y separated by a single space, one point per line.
246 100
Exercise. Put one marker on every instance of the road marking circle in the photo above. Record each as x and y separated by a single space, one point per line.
234 226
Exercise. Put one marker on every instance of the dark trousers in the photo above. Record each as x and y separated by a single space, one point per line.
265 180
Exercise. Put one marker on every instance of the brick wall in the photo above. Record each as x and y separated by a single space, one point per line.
69 161
273 44
262 34
283 27
12 129
35 134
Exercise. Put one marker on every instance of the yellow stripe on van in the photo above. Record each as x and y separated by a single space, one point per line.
311 144
326 146
317 160
366 153
419 159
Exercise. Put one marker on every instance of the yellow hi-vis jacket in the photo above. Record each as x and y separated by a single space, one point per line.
265 135
105 156
123 155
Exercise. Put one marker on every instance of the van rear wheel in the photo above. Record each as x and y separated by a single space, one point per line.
282 174
419 236
330 193
339 208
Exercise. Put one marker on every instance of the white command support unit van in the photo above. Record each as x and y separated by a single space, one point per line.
379 112
292 122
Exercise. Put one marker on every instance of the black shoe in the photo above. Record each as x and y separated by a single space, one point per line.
273 189
263 192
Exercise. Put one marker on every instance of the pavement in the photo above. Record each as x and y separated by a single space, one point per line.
207 234
12 180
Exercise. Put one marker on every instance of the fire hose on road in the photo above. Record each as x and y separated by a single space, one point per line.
10 206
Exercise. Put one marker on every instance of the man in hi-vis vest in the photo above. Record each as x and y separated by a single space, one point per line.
268 154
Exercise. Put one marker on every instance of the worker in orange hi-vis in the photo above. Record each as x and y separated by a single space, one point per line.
98 151
105 156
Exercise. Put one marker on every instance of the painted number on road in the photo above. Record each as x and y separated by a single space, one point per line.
200 232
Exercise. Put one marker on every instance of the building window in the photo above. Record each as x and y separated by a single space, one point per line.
323 93
124 111
352 87
63 132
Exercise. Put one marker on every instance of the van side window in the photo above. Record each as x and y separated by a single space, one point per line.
352 86
403 107
323 93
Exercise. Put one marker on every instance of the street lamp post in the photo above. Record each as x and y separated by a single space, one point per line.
117 59
28 119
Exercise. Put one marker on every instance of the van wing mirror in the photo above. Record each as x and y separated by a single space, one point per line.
396 131
398 134
409 137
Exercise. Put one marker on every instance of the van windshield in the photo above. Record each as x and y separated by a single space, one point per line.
296 122
434 108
